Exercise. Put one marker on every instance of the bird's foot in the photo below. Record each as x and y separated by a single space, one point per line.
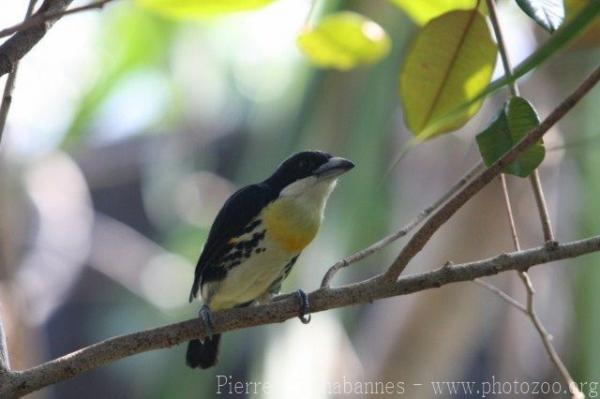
304 312
207 319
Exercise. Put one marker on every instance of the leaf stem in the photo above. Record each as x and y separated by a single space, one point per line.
540 201
534 178
545 219
514 88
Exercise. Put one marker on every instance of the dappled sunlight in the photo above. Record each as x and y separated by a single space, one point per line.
129 131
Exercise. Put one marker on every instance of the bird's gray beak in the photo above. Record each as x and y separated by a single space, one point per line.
335 167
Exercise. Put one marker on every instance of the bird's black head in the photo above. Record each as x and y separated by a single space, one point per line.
306 164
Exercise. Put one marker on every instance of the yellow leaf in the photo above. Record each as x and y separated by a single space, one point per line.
200 8
422 11
450 62
344 40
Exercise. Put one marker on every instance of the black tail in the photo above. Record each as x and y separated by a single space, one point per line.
203 354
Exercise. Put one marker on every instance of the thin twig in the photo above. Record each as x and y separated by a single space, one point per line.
545 219
514 89
4 107
534 178
505 296
547 338
113 349
438 218
7 99
15 48
377 246
10 82
4 358
540 201
509 214
381 286
42 18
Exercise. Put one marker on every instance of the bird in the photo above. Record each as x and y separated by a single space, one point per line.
256 239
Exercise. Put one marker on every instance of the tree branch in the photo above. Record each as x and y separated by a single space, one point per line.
547 338
503 295
39 19
12 50
509 213
540 201
379 245
10 82
4 107
382 286
534 178
422 236
4 359
113 349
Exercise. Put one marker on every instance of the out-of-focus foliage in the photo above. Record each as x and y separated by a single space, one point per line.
344 40
200 8
450 62
514 121
585 18
591 36
164 182
132 40
587 276
549 14
424 11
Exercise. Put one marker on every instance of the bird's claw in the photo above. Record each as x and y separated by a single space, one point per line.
303 313
207 319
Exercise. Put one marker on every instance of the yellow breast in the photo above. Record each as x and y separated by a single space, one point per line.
290 224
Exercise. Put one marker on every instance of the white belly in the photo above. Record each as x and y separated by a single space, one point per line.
251 279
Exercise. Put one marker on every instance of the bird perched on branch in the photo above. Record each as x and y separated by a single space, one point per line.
257 237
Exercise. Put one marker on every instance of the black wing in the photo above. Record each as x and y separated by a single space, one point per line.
237 212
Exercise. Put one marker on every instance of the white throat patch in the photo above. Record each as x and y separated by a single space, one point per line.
310 192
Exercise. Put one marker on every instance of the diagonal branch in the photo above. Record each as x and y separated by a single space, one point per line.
534 178
422 236
39 19
10 82
503 295
379 245
547 338
12 50
540 201
113 349
382 286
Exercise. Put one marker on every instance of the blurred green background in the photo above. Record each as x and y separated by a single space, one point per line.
128 132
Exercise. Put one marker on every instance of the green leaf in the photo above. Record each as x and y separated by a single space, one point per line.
450 62
549 14
200 8
517 118
570 30
344 40
424 11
